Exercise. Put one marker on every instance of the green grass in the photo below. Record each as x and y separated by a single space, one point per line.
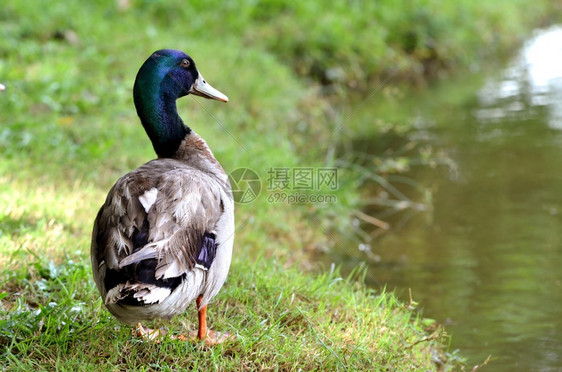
297 321
68 130
51 316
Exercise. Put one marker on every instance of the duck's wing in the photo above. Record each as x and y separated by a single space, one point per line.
158 223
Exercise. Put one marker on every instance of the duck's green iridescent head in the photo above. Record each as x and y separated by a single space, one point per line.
164 77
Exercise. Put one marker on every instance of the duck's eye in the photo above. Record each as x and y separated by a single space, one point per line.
185 63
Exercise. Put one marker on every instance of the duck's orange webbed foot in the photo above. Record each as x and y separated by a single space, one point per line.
212 338
149 334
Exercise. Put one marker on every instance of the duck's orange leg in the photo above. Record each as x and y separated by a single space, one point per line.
209 336
202 315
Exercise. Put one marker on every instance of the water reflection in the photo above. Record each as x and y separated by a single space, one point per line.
534 78
488 263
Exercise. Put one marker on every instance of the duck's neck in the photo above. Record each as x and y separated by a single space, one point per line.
159 116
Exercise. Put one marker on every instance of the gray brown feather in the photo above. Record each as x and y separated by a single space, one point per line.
188 205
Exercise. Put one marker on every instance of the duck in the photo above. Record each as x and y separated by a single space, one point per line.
163 237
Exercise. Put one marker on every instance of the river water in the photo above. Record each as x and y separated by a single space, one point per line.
486 259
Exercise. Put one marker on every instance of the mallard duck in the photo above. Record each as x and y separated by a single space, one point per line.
163 238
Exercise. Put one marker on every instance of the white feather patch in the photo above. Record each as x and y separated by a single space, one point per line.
152 294
148 198
148 294
113 295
